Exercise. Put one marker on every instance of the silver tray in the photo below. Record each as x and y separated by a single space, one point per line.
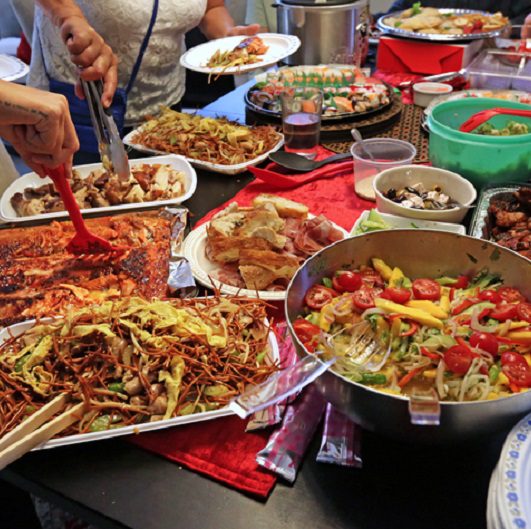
437 37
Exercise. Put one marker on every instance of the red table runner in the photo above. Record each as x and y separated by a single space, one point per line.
333 197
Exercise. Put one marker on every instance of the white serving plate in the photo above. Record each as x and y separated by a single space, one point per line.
214 167
194 250
280 47
12 68
514 477
179 163
397 222
19 328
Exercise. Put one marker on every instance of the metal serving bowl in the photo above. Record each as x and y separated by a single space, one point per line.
419 253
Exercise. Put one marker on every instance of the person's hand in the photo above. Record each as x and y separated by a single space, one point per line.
38 125
526 28
251 29
91 54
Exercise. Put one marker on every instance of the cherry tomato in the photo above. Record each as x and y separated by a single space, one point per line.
426 289
349 281
371 277
458 359
364 297
489 295
510 294
484 341
397 294
516 368
336 285
523 311
477 25
306 331
504 311
318 296
462 282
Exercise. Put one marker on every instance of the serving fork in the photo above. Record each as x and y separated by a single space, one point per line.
365 352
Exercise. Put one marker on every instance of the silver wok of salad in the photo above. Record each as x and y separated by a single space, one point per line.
420 254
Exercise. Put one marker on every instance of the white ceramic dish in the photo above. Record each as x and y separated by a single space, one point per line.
279 47
396 222
200 164
19 328
12 68
194 249
425 93
179 163
406 175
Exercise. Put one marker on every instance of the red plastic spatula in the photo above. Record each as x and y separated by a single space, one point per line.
83 242
477 119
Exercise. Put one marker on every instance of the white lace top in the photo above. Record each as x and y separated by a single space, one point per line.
123 24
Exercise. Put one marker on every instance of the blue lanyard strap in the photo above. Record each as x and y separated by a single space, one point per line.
143 46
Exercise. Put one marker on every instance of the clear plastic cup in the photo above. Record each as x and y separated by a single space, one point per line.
373 157
301 119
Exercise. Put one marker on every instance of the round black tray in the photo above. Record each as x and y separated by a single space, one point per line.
353 116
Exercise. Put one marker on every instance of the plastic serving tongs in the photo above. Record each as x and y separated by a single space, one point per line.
477 119
113 156
83 242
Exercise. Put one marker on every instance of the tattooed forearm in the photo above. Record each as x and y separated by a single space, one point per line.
15 107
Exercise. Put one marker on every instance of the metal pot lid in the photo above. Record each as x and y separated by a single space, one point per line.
316 3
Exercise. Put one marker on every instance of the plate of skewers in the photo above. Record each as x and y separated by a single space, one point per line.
238 54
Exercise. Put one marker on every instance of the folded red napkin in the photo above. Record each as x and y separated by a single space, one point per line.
220 449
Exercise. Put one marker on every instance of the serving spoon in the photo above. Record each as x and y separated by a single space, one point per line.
296 162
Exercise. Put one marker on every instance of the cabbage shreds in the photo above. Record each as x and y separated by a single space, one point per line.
133 361
214 140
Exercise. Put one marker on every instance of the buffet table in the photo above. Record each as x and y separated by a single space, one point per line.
113 484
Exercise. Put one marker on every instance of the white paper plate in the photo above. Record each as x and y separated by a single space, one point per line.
397 222
12 68
214 167
179 163
280 47
194 249
514 478
19 328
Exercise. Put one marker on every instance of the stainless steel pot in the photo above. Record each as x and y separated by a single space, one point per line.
329 33
419 253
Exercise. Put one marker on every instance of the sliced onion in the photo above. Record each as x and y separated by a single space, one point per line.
474 324
439 381
504 328
374 310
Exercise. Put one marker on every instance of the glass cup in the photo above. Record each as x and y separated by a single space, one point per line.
301 119
376 155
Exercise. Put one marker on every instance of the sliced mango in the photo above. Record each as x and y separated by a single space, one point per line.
415 314
384 269
397 278
427 306
520 336
444 302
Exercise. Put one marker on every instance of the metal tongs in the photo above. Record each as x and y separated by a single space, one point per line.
111 147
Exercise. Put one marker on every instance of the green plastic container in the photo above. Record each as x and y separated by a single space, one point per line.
480 159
